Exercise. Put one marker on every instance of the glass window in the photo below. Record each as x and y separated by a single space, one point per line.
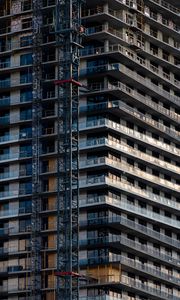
25 114
25 150
25 77
25 132
26 59
26 95
26 41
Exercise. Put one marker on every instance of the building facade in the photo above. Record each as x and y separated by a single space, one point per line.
129 150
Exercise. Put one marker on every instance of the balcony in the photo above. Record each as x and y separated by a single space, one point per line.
9 46
145 100
135 265
132 225
125 149
125 206
104 297
135 171
131 285
167 6
130 55
118 241
4 120
3 252
119 128
128 188
15 138
4 102
3 270
15 212
15 156
18 28
6 84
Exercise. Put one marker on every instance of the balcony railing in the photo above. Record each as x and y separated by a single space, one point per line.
134 226
19 155
4 102
134 189
134 264
146 119
132 55
116 240
130 132
133 93
134 152
4 84
124 205
131 284
167 6
10 138
104 297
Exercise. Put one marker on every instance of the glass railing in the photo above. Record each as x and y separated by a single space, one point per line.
9 175
21 136
13 83
5 83
129 282
4 102
4 120
145 287
134 171
128 53
132 151
167 6
8 194
134 264
144 100
117 240
9 156
4 231
104 297
130 132
3 269
130 188
123 205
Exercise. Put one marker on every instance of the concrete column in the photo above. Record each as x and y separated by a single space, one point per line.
106 45
105 8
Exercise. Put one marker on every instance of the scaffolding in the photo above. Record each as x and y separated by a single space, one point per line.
68 41
36 131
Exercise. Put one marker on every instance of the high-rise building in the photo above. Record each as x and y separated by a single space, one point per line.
129 127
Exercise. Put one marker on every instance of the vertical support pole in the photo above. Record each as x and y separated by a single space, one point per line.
36 131
68 40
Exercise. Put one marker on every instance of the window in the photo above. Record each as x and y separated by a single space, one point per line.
26 95
25 188
25 77
26 59
25 150
26 41
26 5
25 206
25 132
25 169
26 23
25 114
25 225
